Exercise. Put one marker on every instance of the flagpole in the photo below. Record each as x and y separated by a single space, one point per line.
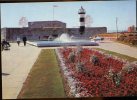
53 12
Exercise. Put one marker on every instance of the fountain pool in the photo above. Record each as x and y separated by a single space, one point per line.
64 40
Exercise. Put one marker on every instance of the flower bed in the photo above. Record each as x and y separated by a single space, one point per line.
92 73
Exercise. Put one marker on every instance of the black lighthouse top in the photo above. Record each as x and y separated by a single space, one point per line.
81 11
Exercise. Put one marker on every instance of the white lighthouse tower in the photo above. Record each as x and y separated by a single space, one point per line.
82 13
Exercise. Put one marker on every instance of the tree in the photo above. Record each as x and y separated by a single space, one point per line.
23 22
88 21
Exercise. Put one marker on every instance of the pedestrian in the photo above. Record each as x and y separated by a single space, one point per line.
24 40
5 45
18 40
39 37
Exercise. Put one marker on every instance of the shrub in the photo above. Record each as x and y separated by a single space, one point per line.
72 57
121 38
79 50
80 67
134 42
117 79
95 60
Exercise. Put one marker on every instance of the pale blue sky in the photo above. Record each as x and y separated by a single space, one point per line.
103 13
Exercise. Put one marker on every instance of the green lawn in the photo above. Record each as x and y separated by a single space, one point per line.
118 55
127 44
44 79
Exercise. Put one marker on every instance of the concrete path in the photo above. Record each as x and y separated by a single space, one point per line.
17 62
119 48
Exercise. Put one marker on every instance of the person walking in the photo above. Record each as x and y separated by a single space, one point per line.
39 37
24 40
18 40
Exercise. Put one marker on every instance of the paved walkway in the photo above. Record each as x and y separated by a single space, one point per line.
119 48
17 62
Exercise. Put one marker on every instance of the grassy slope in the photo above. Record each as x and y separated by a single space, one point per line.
118 54
44 80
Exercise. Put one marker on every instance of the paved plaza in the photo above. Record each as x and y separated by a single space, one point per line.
17 62
119 48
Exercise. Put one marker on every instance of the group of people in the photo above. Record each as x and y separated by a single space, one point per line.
24 39
5 44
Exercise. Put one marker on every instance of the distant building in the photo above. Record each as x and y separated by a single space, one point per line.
131 28
46 24
43 29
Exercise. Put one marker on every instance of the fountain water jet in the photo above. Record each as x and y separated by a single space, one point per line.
64 38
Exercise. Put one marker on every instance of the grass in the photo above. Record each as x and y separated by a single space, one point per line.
44 79
129 44
118 55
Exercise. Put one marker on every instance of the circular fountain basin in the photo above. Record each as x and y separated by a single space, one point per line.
60 43
64 40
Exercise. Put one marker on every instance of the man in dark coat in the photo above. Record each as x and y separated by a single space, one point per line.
24 40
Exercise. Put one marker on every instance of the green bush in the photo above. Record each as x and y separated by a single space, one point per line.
79 67
95 60
72 57
117 79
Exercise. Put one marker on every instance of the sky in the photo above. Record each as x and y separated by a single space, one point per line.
102 13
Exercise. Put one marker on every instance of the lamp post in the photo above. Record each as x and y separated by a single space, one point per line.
54 11
53 16
117 26
52 23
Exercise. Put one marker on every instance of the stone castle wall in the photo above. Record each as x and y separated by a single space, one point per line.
34 33
43 29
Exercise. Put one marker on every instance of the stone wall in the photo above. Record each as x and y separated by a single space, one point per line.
11 34
88 31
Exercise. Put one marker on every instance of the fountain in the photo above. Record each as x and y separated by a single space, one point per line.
64 40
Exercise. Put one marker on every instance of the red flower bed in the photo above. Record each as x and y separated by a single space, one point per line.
96 80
